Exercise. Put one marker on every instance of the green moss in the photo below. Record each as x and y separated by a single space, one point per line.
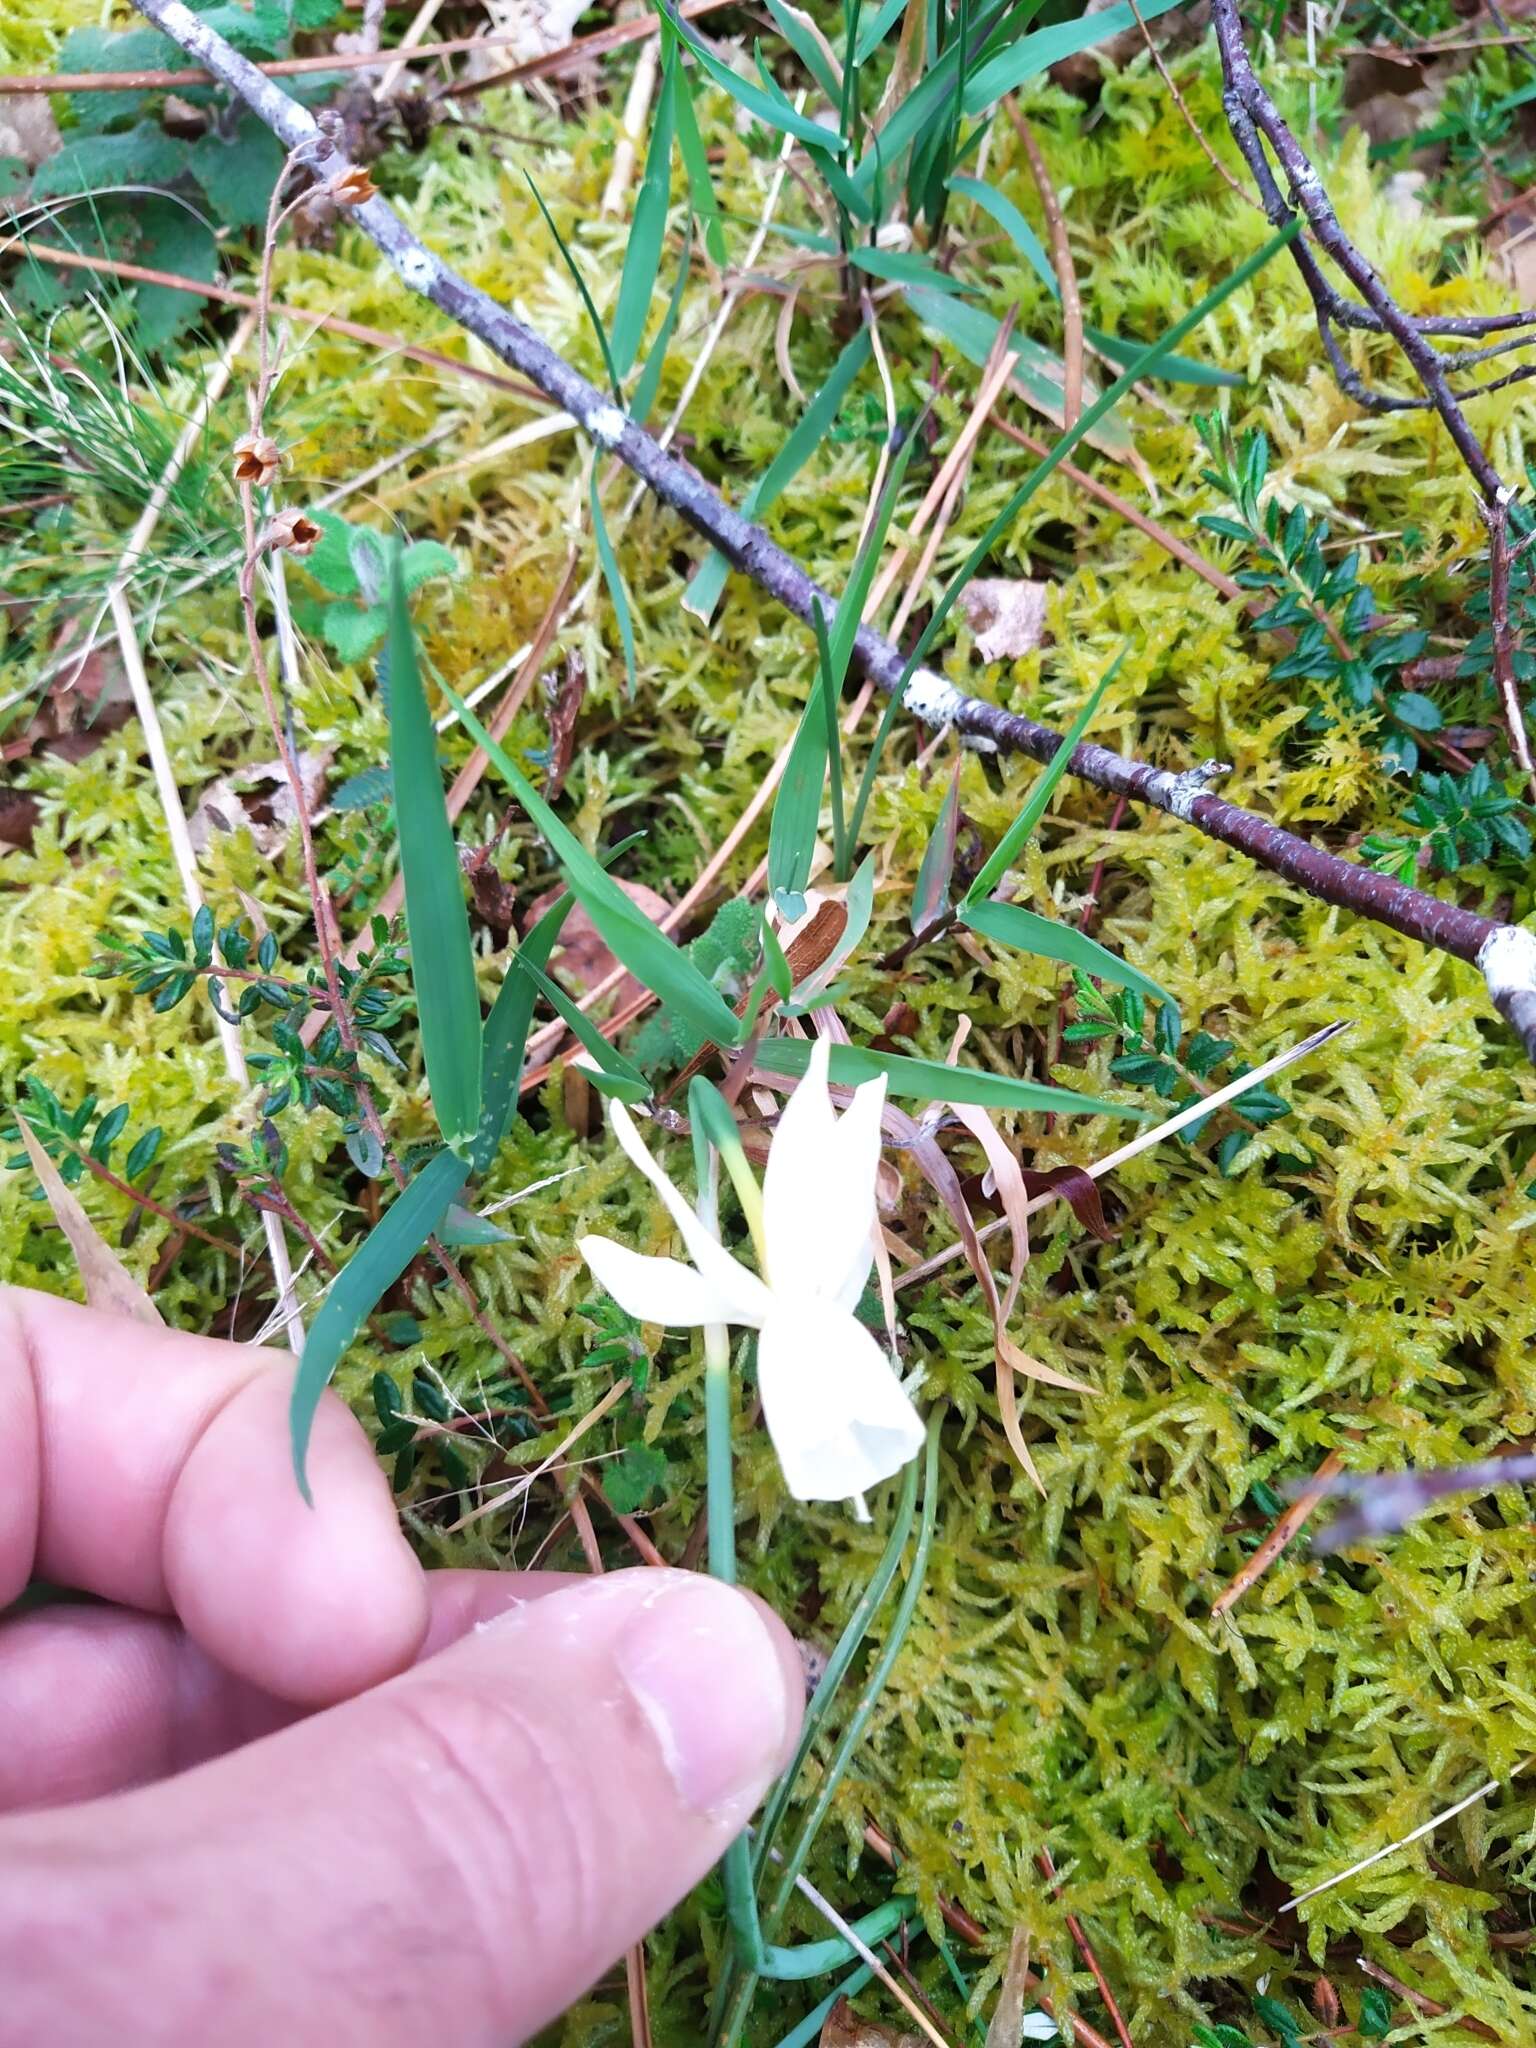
1063 1688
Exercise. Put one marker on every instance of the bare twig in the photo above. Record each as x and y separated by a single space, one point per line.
1501 632
1066 272
1085 1949
1506 954
550 64
1421 2002
1289 1526
1255 120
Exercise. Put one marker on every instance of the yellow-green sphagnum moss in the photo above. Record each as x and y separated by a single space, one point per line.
1361 1278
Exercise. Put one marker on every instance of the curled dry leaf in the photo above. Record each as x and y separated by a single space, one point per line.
565 701
1007 614
259 799
255 460
107 1281
843 2028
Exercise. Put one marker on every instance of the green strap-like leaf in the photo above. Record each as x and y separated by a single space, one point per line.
934 1081
631 937
1031 55
616 1075
613 577
708 580
442 956
377 1264
1013 925
642 258
1175 369
1008 848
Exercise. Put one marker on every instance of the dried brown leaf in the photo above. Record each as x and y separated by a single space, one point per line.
843 2028
1008 2014
108 1283
1007 614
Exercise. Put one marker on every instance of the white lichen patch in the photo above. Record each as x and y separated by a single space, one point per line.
1507 958
606 424
933 698
416 268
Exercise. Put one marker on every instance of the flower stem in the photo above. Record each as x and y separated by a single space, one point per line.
734 2003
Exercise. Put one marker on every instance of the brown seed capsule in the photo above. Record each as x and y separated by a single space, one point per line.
257 459
1325 2002
351 187
293 531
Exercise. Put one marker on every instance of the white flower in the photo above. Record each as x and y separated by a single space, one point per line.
834 1408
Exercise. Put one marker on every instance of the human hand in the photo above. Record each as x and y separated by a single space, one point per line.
513 1775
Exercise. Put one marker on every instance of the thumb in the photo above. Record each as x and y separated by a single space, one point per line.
483 1835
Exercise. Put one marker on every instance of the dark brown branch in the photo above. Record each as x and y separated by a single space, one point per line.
1506 954
1255 120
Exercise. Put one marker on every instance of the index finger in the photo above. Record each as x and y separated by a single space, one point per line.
152 1468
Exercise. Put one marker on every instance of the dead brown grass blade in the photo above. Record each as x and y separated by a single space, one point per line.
107 1281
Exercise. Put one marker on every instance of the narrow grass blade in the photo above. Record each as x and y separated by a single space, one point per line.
586 297
775 113
902 266
505 1039
933 98
1031 55
1089 418
690 144
930 899
708 580
830 695
797 806
616 1076
618 596
1013 925
1013 224
1008 848
1173 369
934 1081
377 1264
974 332
651 957
877 31
795 27
642 257
442 956
650 377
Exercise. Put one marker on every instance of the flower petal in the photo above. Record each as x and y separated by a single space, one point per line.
819 1188
654 1290
839 1420
743 1298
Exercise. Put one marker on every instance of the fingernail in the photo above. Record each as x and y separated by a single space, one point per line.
704 1671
